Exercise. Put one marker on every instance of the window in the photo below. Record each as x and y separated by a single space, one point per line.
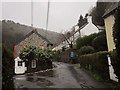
33 63
19 63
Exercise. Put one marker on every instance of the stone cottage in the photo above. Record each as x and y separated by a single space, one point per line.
31 39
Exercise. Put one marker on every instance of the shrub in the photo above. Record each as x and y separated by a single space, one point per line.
43 58
97 63
32 52
85 41
56 55
86 50
100 43
28 53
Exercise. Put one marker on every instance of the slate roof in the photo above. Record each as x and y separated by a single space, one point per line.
81 28
111 9
34 31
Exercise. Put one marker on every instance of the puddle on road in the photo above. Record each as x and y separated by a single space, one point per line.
31 79
38 79
30 74
42 82
50 73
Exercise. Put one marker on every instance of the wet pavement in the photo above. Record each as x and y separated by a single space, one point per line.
62 76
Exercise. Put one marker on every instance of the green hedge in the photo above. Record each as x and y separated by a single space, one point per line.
96 40
86 50
115 63
85 41
97 63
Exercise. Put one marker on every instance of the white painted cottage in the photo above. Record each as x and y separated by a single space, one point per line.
86 29
90 28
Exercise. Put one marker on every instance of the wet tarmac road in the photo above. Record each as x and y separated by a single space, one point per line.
62 76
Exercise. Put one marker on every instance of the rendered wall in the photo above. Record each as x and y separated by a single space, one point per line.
109 22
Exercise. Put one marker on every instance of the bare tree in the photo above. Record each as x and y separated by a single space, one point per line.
69 36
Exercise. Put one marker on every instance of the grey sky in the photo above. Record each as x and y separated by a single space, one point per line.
62 15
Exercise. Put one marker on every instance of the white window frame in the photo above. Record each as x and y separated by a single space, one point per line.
33 63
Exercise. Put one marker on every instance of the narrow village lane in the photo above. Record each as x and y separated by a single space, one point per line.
62 76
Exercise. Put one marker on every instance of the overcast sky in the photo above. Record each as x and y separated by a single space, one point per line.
62 15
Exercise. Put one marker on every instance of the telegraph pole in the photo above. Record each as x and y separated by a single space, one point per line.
32 13
47 20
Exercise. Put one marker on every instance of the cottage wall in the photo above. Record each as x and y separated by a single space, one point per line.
109 22
32 40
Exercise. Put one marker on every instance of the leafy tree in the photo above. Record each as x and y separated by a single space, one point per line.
116 35
28 53
98 12
89 41
85 41
7 68
86 50
82 20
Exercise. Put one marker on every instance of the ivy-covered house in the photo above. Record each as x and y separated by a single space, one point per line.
31 39
109 19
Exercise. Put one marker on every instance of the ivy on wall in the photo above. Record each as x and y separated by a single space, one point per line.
116 36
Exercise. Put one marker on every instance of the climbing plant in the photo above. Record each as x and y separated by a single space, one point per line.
32 52
116 36
28 53
43 57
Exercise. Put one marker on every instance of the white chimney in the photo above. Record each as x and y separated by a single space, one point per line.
89 19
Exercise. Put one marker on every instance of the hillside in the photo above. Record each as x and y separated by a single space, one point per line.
13 32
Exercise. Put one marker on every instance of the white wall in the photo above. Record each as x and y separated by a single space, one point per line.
19 69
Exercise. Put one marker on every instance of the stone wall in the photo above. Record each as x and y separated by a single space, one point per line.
32 40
